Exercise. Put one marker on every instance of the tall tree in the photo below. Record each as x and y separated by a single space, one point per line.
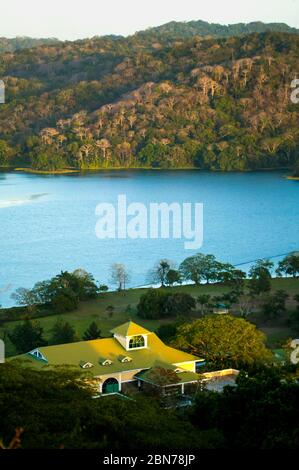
275 305
260 284
289 265
261 267
92 332
151 304
260 274
62 332
201 267
223 341
27 336
204 302
25 297
173 277
119 275
161 271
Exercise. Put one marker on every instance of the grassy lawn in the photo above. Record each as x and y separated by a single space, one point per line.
288 284
96 310
278 330
277 335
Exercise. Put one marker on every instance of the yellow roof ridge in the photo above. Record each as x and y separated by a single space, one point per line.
130 328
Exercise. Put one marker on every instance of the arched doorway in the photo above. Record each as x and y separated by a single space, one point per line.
110 386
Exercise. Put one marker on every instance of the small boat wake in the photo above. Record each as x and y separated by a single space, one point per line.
19 202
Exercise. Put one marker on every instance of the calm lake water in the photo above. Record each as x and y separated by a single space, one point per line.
47 223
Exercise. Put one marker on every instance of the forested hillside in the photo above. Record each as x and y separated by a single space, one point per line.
23 42
188 29
217 103
166 32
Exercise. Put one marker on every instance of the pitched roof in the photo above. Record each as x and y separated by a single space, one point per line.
109 348
130 329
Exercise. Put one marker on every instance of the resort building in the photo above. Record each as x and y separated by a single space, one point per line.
221 309
132 354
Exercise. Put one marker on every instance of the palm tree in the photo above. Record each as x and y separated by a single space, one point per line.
103 144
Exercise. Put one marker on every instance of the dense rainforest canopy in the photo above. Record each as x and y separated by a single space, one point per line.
152 101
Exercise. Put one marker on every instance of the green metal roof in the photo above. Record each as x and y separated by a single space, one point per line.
186 377
98 350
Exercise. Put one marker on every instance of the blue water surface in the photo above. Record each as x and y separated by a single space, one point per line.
47 223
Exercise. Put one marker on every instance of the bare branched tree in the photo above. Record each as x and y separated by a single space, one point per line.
119 276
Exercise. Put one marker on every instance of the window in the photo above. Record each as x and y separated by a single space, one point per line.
86 365
38 355
124 359
136 342
106 362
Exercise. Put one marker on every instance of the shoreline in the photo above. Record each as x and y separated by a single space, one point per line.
65 171
46 172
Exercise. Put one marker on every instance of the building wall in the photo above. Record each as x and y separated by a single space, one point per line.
190 366
102 379
122 340
126 376
119 376
220 373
